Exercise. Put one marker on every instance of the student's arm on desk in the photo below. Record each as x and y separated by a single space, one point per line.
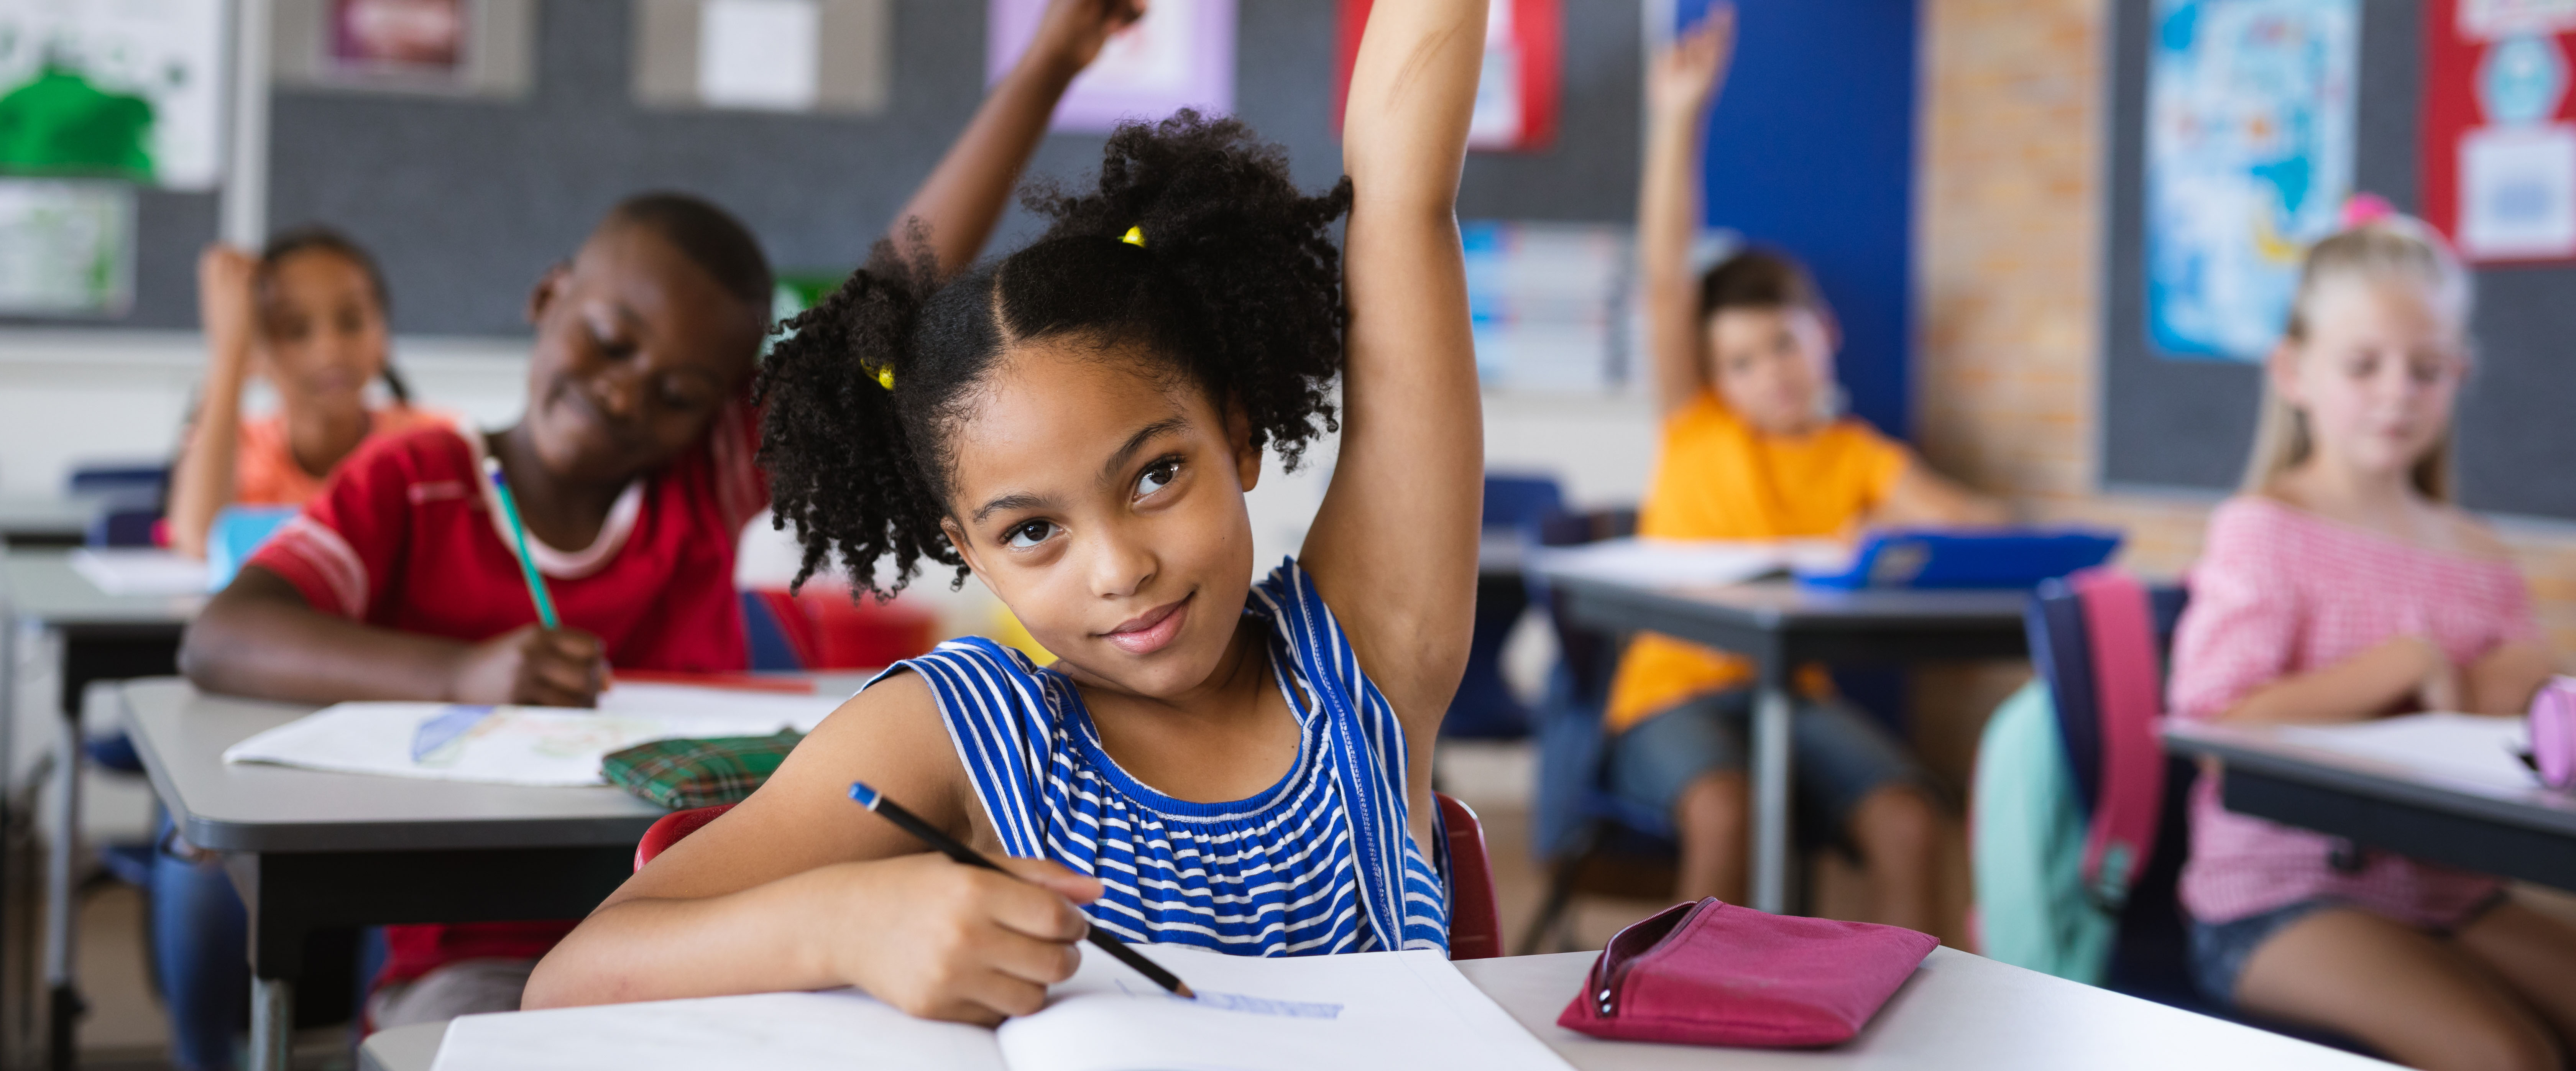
258 637
2367 685
799 888
1922 497
2504 680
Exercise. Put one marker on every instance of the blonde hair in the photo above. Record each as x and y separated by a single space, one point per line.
2392 246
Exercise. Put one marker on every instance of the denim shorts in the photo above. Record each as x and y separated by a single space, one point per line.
1838 755
2219 950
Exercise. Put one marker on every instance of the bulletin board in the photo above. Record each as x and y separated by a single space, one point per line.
2173 422
467 200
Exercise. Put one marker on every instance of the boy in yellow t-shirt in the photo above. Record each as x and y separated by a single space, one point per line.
1752 449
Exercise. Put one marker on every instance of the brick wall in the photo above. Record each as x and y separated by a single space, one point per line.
2009 285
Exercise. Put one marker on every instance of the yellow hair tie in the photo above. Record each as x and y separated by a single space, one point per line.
885 378
1135 236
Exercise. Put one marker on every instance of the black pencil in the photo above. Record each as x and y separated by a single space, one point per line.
929 834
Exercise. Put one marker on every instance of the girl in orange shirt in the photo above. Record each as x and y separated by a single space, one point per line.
1753 449
309 314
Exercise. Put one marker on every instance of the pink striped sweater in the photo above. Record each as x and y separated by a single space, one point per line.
2279 591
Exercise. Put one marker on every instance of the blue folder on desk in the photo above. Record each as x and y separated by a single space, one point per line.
2010 558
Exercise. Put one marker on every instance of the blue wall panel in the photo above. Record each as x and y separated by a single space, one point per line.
1811 149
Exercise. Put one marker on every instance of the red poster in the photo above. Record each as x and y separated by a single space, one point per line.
2499 148
1517 94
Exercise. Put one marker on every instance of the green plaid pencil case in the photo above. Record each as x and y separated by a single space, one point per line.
681 774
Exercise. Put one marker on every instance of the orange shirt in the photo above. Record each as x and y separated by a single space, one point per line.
1716 477
265 472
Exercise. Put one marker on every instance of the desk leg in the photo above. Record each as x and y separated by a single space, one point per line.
277 933
272 1022
63 1002
1771 774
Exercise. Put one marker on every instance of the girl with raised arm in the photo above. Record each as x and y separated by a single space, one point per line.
1221 757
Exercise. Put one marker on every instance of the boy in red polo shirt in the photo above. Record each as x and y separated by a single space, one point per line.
633 470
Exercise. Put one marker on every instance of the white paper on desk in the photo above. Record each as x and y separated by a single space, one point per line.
1694 562
542 746
1397 1011
139 571
2479 749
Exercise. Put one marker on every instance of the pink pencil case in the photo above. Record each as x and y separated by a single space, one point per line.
1712 973
2553 732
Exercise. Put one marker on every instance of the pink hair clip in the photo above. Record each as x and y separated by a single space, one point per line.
2363 209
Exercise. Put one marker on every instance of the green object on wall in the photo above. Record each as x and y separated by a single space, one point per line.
57 123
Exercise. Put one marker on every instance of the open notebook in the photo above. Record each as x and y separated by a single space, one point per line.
1400 1011
510 745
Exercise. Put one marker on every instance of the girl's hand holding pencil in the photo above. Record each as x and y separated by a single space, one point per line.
943 941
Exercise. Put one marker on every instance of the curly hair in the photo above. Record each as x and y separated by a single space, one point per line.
1236 288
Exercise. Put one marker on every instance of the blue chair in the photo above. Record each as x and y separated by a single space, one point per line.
238 533
130 499
1591 839
1485 708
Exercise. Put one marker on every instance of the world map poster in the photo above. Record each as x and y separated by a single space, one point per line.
2249 161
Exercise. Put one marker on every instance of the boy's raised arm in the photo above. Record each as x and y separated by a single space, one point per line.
1393 547
963 197
1679 90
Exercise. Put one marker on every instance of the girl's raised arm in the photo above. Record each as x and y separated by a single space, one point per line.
1393 547
963 197
202 483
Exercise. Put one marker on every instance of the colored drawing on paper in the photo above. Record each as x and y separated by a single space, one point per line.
2249 161
129 89
1180 55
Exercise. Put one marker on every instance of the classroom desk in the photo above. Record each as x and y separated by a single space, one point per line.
1958 1013
2515 830
1781 625
310 850
45 522
104 637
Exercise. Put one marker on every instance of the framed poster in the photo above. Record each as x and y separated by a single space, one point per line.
131 90
66 248
1180 55
1520 89
2249 159
415 36
2499 148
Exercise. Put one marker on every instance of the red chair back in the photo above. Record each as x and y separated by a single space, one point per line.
1475 923
671 828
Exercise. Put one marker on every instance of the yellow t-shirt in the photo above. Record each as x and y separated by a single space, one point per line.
1718 478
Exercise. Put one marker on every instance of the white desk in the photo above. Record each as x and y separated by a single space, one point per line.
2512 826
310 850
104 637
1958 1013
46 522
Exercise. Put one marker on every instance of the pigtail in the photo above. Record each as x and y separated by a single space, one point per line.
1249 259
841 468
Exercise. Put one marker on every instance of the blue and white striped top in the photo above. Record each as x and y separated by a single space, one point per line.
1320 862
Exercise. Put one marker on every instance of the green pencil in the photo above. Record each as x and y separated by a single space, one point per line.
519 531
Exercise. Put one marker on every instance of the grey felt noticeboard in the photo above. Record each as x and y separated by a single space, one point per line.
2190 423
466 201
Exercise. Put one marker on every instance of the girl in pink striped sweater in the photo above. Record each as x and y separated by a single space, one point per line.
2342 585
